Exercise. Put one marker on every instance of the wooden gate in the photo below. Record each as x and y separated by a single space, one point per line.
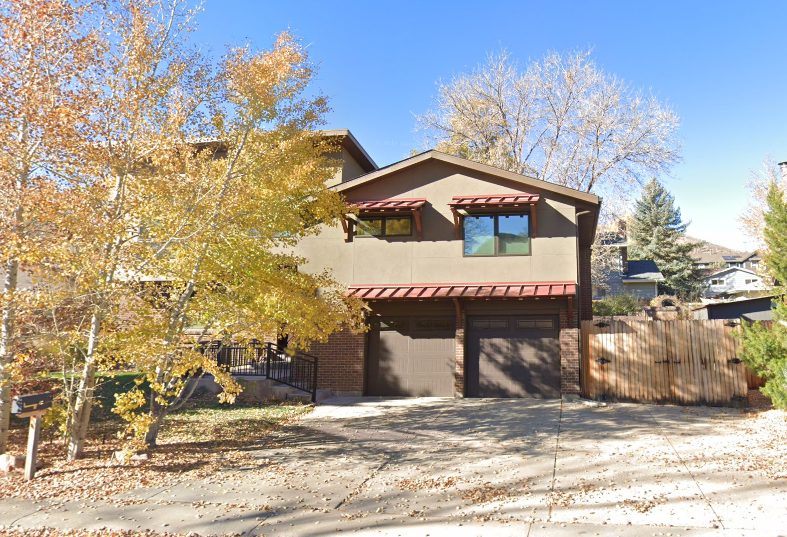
681 362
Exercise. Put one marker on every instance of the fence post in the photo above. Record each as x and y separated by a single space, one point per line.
314 383
268 360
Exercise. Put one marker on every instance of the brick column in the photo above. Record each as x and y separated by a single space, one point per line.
459 372
569 355
341 362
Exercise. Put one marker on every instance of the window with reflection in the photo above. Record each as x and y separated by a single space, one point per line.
384 226
500 234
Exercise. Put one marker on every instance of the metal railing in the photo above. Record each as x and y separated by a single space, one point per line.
294 369
277 363
238 359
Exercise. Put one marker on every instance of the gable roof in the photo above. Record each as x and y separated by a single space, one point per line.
471 165
644 270
730 269
353 147
707 252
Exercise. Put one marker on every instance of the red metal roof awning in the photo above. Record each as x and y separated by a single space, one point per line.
389 205
463 290
383 207
500 200
469 204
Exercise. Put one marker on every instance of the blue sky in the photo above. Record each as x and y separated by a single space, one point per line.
721 65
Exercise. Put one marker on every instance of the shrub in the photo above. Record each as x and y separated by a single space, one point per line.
617 305
765 352
664 301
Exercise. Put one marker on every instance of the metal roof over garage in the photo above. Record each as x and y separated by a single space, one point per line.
463 290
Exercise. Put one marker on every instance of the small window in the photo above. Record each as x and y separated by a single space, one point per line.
490 325
392 325
500 234
717 282
434 325
749 282
385 226
538 324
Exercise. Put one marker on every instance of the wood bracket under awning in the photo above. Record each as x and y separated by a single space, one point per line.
467 205
386 207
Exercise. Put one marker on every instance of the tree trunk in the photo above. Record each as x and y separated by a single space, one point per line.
87 385
6 351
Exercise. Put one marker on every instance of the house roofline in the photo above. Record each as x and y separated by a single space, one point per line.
351 144
728 269
458 161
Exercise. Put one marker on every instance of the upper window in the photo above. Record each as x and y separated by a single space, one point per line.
717 282
385 226
500 234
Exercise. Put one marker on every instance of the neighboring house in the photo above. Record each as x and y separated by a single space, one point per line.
750 309
475 279
708 256
638 278
733 281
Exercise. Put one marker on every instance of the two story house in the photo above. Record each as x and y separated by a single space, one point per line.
475 279
638 278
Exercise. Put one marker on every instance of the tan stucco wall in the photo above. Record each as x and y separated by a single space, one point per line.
350 168
438 258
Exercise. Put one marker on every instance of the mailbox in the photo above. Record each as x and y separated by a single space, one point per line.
24 405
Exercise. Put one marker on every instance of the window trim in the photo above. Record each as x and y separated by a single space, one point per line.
496 215
383 219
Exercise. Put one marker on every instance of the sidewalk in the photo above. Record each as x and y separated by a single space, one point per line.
465 467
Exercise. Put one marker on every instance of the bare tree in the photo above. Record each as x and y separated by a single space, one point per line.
759 183
562 119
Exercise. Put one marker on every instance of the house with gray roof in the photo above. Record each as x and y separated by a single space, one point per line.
708 256
639 278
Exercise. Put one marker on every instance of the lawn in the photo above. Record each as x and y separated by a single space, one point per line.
202 439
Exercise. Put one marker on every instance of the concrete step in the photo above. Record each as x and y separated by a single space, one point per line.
262 388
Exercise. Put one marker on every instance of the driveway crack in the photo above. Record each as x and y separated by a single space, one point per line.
357 490
683 462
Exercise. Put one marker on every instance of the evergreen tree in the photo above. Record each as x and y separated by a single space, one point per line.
657 231
765 350
775 234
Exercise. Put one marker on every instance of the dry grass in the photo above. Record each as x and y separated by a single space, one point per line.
194 444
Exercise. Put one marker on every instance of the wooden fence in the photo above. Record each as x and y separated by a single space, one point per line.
681 362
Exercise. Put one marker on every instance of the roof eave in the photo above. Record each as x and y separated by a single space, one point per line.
351 144
484 168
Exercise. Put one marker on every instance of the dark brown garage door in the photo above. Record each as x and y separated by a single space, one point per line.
411 356
513 356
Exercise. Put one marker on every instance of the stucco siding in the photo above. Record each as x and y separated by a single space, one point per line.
439 256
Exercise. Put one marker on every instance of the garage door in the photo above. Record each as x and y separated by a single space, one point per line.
411 356
513 356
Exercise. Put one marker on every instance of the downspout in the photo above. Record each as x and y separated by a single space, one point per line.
579 295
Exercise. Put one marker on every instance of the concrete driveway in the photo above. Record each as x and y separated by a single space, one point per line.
465 467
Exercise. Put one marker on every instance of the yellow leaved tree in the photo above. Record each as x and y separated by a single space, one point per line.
195 179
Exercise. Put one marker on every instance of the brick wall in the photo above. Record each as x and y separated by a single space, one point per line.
459 372
340 365
569 354
585 285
